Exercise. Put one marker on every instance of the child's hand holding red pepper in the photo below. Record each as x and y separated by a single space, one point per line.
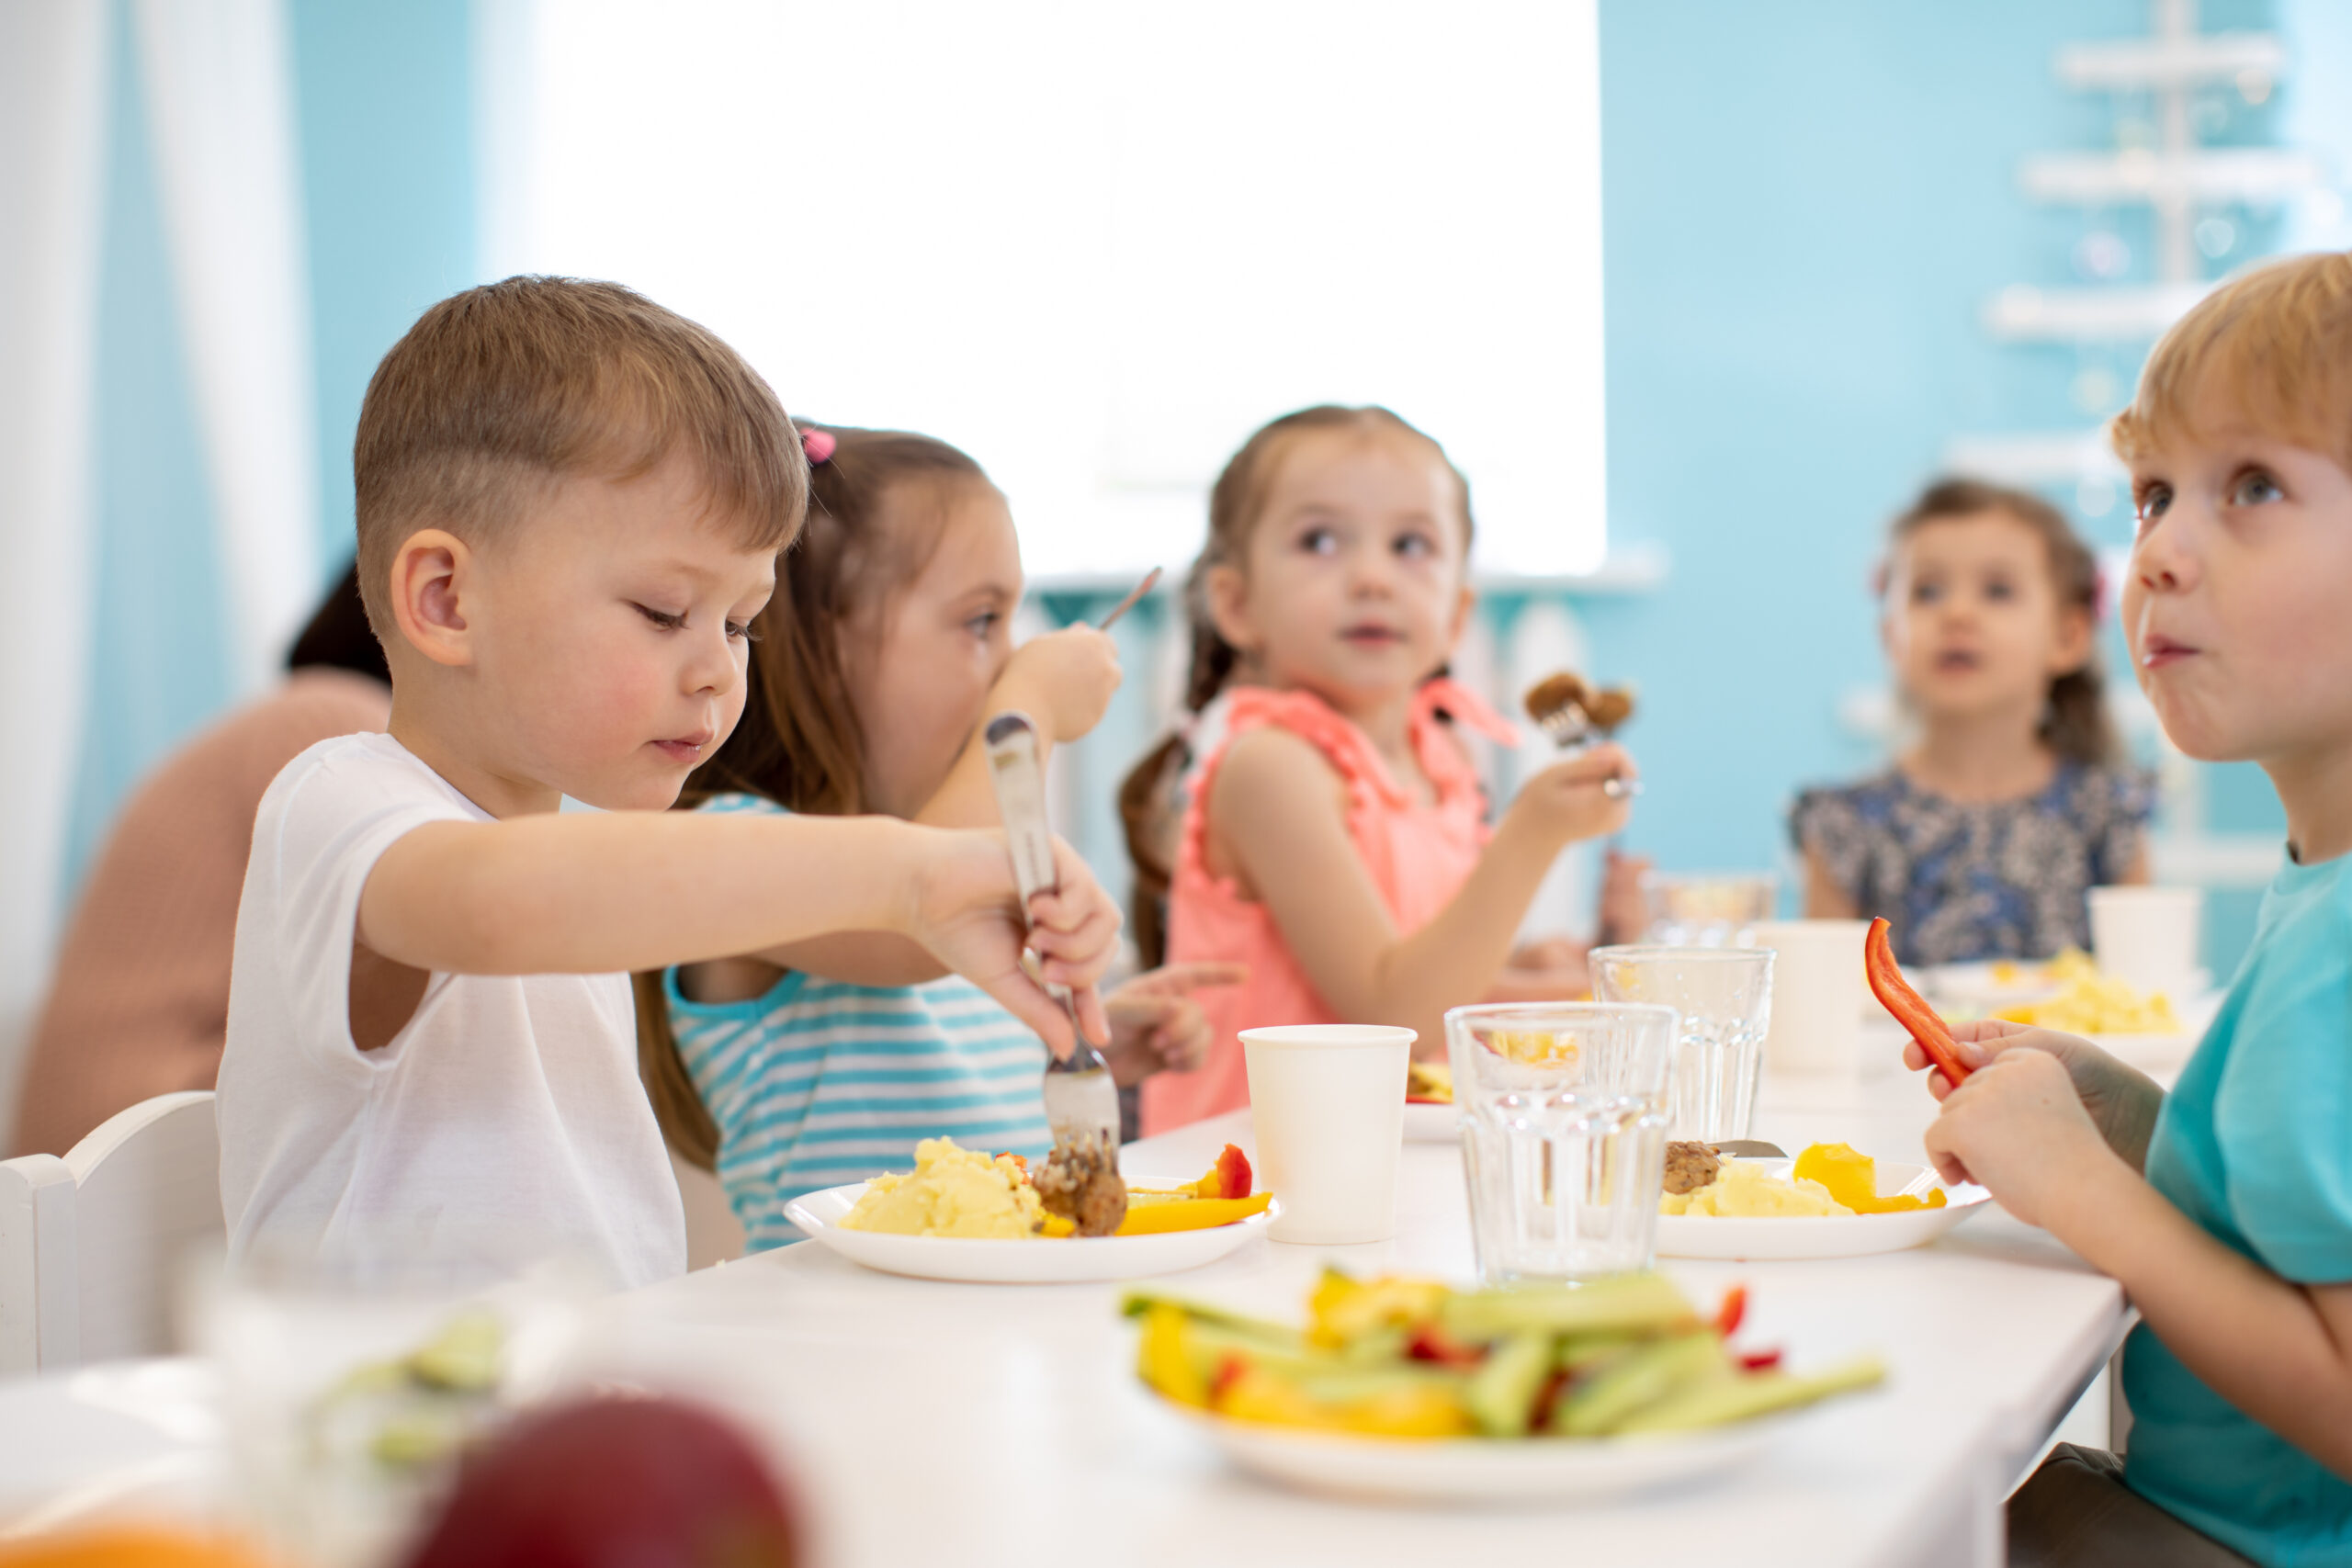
2019 1128
2121 1101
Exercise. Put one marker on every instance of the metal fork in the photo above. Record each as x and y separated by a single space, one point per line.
1571 728
1082 1102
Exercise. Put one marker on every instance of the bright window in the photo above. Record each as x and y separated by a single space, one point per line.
1096 244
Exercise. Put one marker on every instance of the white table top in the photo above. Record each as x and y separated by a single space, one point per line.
925 1422
985 1424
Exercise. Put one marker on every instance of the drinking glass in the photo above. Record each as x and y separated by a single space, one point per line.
1564 1115
353 1387
1707 908
1724 995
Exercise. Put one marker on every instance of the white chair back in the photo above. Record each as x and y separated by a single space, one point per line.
92 1246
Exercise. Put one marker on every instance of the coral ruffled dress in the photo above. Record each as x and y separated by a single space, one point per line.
1418 856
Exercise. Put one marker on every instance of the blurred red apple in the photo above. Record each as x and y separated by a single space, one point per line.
614 1484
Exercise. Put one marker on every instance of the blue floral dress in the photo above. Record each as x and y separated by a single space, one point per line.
1964 881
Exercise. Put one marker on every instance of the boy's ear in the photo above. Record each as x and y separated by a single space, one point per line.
1227 602
431 574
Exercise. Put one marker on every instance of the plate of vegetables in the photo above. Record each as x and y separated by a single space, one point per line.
1406 1389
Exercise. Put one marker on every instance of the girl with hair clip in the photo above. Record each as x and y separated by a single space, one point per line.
1323 820
1984 836
886 648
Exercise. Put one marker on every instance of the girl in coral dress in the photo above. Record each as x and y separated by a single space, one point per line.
1321 822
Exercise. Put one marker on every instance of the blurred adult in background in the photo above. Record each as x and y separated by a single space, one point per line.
139 1005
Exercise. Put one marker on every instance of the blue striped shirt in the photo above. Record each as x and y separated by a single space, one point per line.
817 1083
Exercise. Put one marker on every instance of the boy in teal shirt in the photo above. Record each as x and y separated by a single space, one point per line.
2224 1208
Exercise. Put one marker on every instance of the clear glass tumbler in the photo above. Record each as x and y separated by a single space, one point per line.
1725 998
1564 1115
1707 908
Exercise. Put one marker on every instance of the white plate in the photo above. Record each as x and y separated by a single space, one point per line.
1427 1123
1973 987
1475 1469
1834 1236
1037 1261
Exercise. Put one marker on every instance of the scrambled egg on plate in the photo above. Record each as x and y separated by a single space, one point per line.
1744 1191
951 1192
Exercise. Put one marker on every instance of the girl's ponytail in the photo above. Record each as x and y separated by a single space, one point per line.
2077 726
686 1120
1148 814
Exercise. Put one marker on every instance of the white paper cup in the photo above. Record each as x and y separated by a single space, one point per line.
1819 990
2146 936
1328 1101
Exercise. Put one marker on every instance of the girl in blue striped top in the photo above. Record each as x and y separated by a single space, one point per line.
886 647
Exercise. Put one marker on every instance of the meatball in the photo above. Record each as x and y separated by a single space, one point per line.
1689 1167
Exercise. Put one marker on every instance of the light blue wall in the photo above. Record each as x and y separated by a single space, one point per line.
384 101
1806 205
157 658
384 95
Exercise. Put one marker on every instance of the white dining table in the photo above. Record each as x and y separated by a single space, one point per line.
920 1422
979 1424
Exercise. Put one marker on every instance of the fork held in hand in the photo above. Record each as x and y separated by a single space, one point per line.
1082 1102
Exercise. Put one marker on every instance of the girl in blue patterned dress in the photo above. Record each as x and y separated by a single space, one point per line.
887 645
1984 836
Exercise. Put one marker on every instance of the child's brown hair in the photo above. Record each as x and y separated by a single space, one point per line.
799 742
2276 340
1236 501
2074 725
502 390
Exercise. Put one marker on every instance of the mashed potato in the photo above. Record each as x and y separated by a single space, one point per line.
1745 1192
951 1192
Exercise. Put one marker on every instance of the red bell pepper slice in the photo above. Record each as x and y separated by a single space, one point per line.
1233 1173
1760 1360
1727 1316
1910 1010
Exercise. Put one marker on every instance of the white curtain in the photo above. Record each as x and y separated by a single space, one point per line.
52 135
220 90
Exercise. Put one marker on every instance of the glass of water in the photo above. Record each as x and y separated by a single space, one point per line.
1564 1115
1724 995
1710 908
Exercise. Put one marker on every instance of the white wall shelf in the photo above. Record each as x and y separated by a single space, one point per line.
2215 175
2023 314
2252 62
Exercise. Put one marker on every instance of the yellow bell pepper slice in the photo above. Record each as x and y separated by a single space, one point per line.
1852 1179
1158 1218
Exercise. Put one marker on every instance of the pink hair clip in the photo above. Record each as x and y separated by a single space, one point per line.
818 445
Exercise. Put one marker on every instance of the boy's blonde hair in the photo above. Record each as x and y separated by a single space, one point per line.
2275 343
498 392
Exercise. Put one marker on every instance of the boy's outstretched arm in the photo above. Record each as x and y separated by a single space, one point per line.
1063 680
2279 1351
644 890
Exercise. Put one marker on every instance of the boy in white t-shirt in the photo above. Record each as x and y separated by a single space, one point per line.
569 505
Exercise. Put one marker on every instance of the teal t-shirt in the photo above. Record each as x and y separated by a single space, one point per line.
2255 1143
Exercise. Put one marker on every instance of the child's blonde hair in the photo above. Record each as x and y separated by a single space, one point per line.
1236 503
2277 341
499 392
